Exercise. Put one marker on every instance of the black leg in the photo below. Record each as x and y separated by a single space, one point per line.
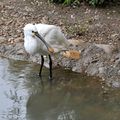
42 62
50 65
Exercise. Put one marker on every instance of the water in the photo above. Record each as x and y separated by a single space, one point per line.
70 97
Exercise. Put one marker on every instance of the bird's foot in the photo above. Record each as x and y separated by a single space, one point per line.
40 76
50 78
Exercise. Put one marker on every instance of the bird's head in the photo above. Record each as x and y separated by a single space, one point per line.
31 30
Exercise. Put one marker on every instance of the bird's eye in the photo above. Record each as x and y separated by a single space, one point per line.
32 31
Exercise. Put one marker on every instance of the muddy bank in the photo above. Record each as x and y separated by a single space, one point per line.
98 28
95 60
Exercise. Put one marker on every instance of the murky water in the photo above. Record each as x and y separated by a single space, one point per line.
70 97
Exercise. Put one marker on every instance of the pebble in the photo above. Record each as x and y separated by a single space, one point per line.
101 70
116 84
119 72
18 39
2 39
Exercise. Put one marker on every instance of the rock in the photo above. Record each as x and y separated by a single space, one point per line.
116 84
28 9
114 35
101 70
92 70
2 49
76 42
119 72
21 52
107 48
2 39
18 39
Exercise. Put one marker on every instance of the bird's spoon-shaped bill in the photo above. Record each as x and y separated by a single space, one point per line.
51 50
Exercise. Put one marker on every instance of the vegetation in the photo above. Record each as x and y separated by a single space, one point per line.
95 2
91 2
67 2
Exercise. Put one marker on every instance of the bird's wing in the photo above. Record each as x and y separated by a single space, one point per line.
44 29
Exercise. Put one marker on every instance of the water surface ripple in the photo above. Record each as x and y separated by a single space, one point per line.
71 96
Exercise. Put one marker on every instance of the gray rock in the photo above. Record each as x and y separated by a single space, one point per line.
107 48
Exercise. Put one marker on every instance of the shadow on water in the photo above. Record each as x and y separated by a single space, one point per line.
71 96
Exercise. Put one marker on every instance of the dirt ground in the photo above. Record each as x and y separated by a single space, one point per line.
84 23
89 24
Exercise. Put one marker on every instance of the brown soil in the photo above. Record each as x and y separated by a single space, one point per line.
99 25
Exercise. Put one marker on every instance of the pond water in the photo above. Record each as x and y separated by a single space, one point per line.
71 96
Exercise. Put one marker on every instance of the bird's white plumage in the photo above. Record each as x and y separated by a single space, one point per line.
45 39
52 35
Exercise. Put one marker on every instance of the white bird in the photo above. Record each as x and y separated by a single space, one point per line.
44 39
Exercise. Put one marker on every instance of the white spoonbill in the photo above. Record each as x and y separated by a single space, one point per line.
44 39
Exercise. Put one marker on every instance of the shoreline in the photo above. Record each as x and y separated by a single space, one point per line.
94 60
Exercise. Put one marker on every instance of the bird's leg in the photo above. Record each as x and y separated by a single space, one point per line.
50 65
42 62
